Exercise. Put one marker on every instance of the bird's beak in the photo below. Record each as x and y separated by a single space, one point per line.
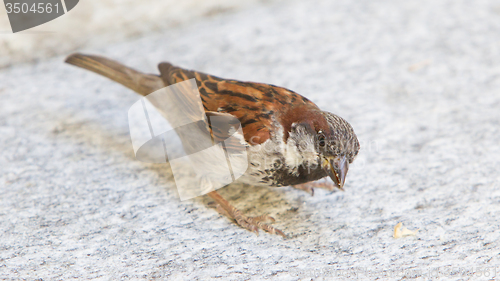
336 168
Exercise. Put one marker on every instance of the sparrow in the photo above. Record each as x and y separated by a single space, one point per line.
289 139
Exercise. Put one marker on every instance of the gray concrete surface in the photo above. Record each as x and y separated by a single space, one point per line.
93 24
418 80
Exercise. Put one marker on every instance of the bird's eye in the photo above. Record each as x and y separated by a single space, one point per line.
321 140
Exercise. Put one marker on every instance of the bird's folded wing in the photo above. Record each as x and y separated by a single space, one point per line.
253 104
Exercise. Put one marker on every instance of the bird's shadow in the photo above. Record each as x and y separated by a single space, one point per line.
251 200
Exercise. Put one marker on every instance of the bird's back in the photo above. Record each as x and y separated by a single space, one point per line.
256 105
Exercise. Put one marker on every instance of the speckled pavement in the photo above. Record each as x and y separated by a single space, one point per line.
418 80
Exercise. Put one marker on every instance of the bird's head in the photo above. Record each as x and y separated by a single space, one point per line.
337 146
333 140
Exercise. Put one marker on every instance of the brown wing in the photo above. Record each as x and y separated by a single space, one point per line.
224 128
254 104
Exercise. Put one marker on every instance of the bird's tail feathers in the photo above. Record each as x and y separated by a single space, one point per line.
139 82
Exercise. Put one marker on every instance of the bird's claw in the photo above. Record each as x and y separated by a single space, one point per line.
252 224
309 186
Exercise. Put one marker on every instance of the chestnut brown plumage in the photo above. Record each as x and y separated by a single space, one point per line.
306 143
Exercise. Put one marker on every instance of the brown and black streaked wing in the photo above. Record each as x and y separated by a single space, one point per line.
254 104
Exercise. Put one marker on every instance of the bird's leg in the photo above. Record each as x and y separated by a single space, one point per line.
251 223
309 186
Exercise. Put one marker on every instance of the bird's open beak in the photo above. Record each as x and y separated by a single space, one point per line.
336 168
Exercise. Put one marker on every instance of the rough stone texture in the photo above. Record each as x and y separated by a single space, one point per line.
99 23
418 80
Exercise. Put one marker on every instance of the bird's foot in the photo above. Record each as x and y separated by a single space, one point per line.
309 186
252 224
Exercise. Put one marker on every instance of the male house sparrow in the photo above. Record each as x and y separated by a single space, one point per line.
303 143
